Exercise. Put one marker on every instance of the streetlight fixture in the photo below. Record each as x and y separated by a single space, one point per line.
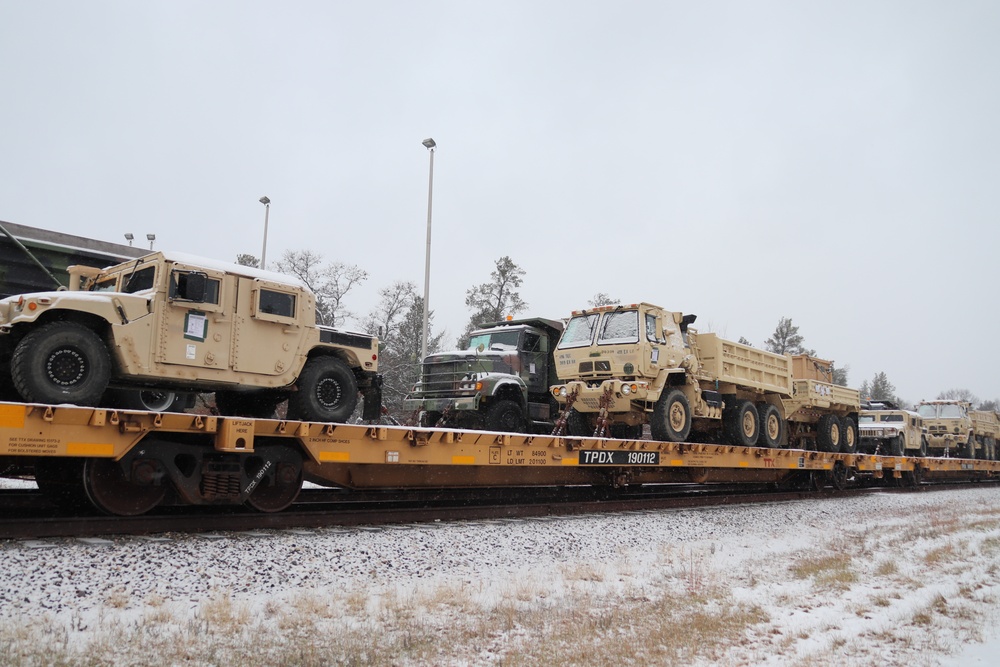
128 237
150 238
430 145
267 209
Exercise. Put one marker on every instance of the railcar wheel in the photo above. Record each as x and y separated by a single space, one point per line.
505 416
828 433
772 426
742 424
838 476
671 419
61 362
849 436
276 491
577 424
327 391
111 492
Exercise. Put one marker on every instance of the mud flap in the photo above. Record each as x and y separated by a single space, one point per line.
372 394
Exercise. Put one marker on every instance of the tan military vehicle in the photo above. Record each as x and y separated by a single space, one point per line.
174 321
954 428
886 429
628 365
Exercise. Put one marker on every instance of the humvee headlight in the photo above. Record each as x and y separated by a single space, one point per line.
626 390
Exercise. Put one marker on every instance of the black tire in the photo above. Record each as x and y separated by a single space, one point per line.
671 419
626 432
849 436
828 433
897 446
577 424
327 391
772 426
924 447
61 362
741 424
969 450
505 416
429 419
254 404
153 400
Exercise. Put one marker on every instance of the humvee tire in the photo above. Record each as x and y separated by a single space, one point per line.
326 391
61 362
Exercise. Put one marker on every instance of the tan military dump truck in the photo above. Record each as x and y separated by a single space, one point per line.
630 365
169 320
954 428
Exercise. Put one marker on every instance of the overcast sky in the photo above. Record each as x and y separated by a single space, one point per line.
837 163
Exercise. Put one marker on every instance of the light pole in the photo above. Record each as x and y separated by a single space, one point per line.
150 238
128 237
429 143
267 209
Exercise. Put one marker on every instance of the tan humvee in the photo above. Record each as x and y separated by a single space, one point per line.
628 365
954 428
169 320
886 429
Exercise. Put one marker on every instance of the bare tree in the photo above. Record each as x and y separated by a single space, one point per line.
329 282
602 299
959 394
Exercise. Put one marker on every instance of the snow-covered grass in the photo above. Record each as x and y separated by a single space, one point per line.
888 579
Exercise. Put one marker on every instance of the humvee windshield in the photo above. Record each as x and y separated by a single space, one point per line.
495 340
579 332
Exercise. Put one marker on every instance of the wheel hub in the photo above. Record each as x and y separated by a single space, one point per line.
329 392
66 367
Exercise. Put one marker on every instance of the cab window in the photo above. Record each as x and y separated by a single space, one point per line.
277 303
140 280
178 287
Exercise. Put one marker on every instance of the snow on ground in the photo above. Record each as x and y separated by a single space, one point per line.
901 579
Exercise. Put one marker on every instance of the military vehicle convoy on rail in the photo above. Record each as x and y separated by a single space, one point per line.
500 382
955 429
174 321
627 365
886 429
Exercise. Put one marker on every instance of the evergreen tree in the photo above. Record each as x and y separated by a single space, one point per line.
882 389
244 259
786 339
492 301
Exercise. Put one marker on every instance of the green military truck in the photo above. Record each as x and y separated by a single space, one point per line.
500 382
170 321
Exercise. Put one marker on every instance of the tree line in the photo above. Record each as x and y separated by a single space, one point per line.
397 320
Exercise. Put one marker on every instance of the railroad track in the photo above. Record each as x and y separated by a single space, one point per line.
26 515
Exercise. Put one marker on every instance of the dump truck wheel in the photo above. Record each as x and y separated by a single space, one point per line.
848 436
671 420
742 424
505 416
61 362
772 426
828 433
577 424
327 391
969 451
